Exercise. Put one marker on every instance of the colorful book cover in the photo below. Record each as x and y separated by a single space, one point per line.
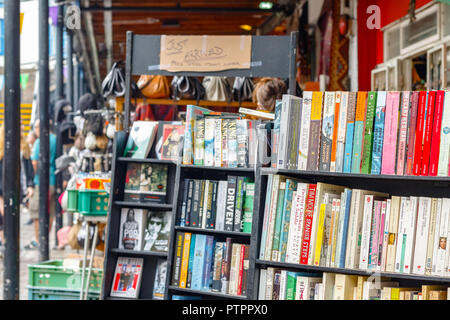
140 139
207 264
232 144
402 132
190 261
242 141
209 142
172 142
225 142
199 141
302 158
358 136
230 203
278 221
192 112
198 263
348 150
132 182
296 224
436 133
412 123
366 164
343 234
378 133
185 259
342 129
248 207
374 245
326 138
217 142
276 134
291 186
309 214
428 132
237 222
153 182
418 145
390 133
314 132
159 285
127 277
337 101
444 149
177 259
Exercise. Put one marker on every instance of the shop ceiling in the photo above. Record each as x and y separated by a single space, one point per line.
105 22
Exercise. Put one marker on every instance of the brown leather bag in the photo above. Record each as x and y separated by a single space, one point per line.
154 86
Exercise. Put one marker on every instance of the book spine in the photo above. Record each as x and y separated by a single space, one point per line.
401 242
314 132
290 189
242 141
412 132
248 207
309 213
240 271
211 214
350 132
225 142
401 150
352 233
326 138
218 256
204 185
366 163
266 217
304 131
178 257
320 231
190 261
337 112
272 217
194 220
182 222
283 278
335 224
245 268
220 208
390 133
238 204
207 264
358 136
342 128
278 220
291 279
375 246
444 149
366 231
284 126
188 152
230 202
418 144
383 235
436 133
199 145
232 144
393 234
262 284
411 234
234 269
226 265
436 236
198 263
293 133
217 142
208 204
269 283
422 228
190 196
185 259
427 135
431 233
209 142
276 134
343 234
296 224
441 265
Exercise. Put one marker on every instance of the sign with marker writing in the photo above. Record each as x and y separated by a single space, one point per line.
205 53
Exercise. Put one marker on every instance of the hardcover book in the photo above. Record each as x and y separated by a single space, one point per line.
127 277
140 139
153 182
157 230
132 222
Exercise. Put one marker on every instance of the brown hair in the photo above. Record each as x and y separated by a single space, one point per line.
24 147
267 91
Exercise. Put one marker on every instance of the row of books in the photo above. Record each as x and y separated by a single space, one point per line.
394 133
333 226
218 139
218 204
146 182
280 284
128 277
145 230
204 263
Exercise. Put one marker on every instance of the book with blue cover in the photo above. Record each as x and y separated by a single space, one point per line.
291 186
378 133
348 150
197 265
358 135
343 246
191 260
208 263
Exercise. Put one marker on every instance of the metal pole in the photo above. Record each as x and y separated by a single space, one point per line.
76 84
11 160
70 78
44 149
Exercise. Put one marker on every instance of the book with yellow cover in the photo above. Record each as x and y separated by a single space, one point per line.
185 259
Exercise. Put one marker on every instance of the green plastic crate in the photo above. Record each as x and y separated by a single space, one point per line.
72 200
53 275
54 294
93 202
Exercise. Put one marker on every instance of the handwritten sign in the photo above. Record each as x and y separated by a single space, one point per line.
205 53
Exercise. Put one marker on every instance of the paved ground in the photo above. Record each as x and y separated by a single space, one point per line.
31 256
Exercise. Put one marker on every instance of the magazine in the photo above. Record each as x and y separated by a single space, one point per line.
127 277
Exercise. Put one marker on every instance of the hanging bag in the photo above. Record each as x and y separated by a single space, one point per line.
217 89
242 89
187 88
154 87
114 82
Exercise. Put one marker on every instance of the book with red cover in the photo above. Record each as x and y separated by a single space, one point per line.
309 212
417 162
427 136
411 133
436 133
241 270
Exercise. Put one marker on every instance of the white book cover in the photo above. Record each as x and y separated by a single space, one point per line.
132 224
306 286
365 235
304 131
205 201
328 285
411 234
342 128
283 279
262 284
209 142
441 267
337 213
393 233
262 248
127 277
444 148
447 256
401 241
436 236
382 266
340 234
218 142
220 209
269 283
284 121
431 233
294 243
422 228
373 289
272 216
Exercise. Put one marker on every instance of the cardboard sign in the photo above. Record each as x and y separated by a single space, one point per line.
205 53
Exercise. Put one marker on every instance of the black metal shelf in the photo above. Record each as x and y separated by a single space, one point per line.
207 293
147 160
139 252
295 266
226 169
144 205
213 231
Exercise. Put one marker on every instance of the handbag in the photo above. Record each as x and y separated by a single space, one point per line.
114 82
154 86
242 89
184 87
217 89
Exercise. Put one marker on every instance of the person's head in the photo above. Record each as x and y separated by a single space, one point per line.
24 146
31 138
155 223
267 91
130 215
443 243
79 141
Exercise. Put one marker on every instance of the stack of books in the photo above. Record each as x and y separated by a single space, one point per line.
225 205
280 284
204 263
333 226
392 133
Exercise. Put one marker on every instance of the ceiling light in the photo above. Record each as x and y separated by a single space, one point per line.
245 27
265 5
